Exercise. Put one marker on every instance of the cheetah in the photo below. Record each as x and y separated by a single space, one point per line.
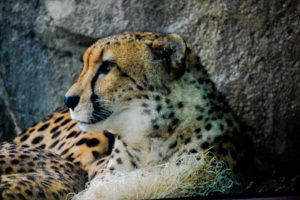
142 99
152 93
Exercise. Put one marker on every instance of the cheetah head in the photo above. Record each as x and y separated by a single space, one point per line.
121 76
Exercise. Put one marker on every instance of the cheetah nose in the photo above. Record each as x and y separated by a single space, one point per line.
71 101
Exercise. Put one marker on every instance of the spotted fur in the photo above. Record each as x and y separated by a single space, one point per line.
61 135
31 173
52 159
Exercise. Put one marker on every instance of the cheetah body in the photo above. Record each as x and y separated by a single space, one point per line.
142 99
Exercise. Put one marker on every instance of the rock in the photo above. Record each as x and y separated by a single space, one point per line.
251 50
7 128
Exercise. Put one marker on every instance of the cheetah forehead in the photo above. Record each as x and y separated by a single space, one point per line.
139 52
124 49
124 39
146 37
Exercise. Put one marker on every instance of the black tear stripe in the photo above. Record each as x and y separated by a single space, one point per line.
94 97
94 80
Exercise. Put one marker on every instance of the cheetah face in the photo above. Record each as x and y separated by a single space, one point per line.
119 70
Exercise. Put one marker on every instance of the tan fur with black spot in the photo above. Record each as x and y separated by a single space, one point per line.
60 134
33 173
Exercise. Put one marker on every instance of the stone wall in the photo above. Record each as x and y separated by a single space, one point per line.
250 48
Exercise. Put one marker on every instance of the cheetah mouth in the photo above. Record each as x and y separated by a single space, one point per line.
99 114
92 118
95 122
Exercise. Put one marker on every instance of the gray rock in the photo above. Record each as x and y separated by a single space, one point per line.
250 48
7 130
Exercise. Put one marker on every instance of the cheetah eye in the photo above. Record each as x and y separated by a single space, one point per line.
106 67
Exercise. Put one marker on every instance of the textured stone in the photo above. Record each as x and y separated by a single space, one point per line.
250 48
7 129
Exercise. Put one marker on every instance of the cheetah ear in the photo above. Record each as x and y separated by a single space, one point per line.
172 49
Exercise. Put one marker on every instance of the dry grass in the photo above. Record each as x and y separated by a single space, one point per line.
189 176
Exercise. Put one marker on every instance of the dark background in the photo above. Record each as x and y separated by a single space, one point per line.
250 48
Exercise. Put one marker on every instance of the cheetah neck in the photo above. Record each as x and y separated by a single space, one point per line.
176 127
180 129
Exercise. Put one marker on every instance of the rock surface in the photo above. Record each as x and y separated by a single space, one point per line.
250 48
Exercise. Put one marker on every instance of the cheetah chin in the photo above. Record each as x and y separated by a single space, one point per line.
132 122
